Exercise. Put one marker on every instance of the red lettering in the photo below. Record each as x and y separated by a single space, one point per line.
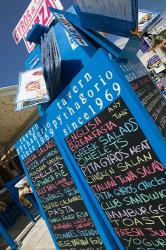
19 30
22 26
30 159
25 20
130 232
29 15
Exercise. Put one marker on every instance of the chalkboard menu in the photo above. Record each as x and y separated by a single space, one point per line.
61 201
152 99
125 175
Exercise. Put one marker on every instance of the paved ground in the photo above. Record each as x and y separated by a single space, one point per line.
38 238
29 236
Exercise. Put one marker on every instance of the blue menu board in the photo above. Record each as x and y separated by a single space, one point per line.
117 151
109 148
124 173
60 202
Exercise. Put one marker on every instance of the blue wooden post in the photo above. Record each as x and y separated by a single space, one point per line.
7 237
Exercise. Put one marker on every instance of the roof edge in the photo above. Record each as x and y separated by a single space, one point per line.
7 91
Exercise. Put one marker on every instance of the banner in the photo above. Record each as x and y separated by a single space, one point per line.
37 12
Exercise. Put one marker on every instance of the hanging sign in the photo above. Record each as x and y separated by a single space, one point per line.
37 12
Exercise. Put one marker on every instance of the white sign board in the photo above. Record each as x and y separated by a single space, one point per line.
37 12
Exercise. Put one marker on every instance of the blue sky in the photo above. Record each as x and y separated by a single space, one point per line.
12 56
